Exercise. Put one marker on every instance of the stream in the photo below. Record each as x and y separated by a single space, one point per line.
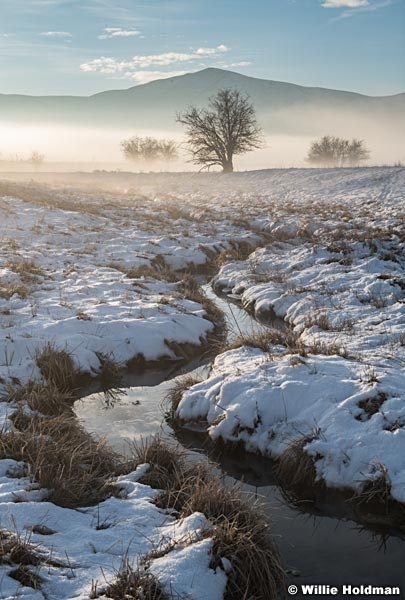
323 546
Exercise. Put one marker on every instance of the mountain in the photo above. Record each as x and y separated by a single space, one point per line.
281 107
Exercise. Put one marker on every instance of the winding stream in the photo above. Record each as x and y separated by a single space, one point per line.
321 547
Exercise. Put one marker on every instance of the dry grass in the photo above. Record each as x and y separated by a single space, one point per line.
57 367
110 373
17 550
164 461
175 394
191 289
46 399
156 269
28 270
61 457
239 251
377 490
265 340
131 584
296 468
9 288
323 321
240 530
372 405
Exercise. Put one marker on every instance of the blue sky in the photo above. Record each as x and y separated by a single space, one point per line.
82 47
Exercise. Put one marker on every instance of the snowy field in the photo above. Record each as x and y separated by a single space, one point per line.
87 273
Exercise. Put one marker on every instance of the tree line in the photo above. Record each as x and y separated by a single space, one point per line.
228 127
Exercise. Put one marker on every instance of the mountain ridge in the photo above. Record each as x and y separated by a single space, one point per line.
281 106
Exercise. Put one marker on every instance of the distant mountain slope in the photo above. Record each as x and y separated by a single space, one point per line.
281 107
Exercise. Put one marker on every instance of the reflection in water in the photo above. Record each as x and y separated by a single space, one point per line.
315 545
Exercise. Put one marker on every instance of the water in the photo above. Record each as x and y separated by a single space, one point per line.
321 548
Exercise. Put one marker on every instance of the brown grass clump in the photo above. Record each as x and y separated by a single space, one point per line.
377 490
57 367
9 288
110 374
26 576
46 399
28 270
131 584
62 457
191 289
372 405
267 338
240 531
296 468
326 348
239 251
175 394
156 269
15 549
164 461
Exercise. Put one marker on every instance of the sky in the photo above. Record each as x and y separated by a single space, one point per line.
81 47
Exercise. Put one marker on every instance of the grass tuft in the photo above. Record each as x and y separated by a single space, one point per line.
296 468
46 399
57 367
175 394
239 527
131 584
62 458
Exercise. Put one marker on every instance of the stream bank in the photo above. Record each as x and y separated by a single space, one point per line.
319 542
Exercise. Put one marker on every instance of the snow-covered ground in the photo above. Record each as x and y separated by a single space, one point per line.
335 273
69 272
331 264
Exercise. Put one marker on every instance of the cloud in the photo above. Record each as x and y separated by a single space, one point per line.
147 76
242 63
366 7
56 34
118 32
112 66
345 3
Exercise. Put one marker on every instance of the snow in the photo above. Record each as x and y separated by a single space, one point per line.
329 261
334 271
91 544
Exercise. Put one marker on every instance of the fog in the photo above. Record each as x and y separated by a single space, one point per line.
76 147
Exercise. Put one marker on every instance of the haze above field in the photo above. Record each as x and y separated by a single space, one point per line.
90 128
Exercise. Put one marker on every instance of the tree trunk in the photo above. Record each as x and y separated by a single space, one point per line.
227 166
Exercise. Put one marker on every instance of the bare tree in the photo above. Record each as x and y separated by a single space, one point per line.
332 151
149 149
168 150
36 159
226 128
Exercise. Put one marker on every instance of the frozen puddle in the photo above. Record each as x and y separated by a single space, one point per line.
315 549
